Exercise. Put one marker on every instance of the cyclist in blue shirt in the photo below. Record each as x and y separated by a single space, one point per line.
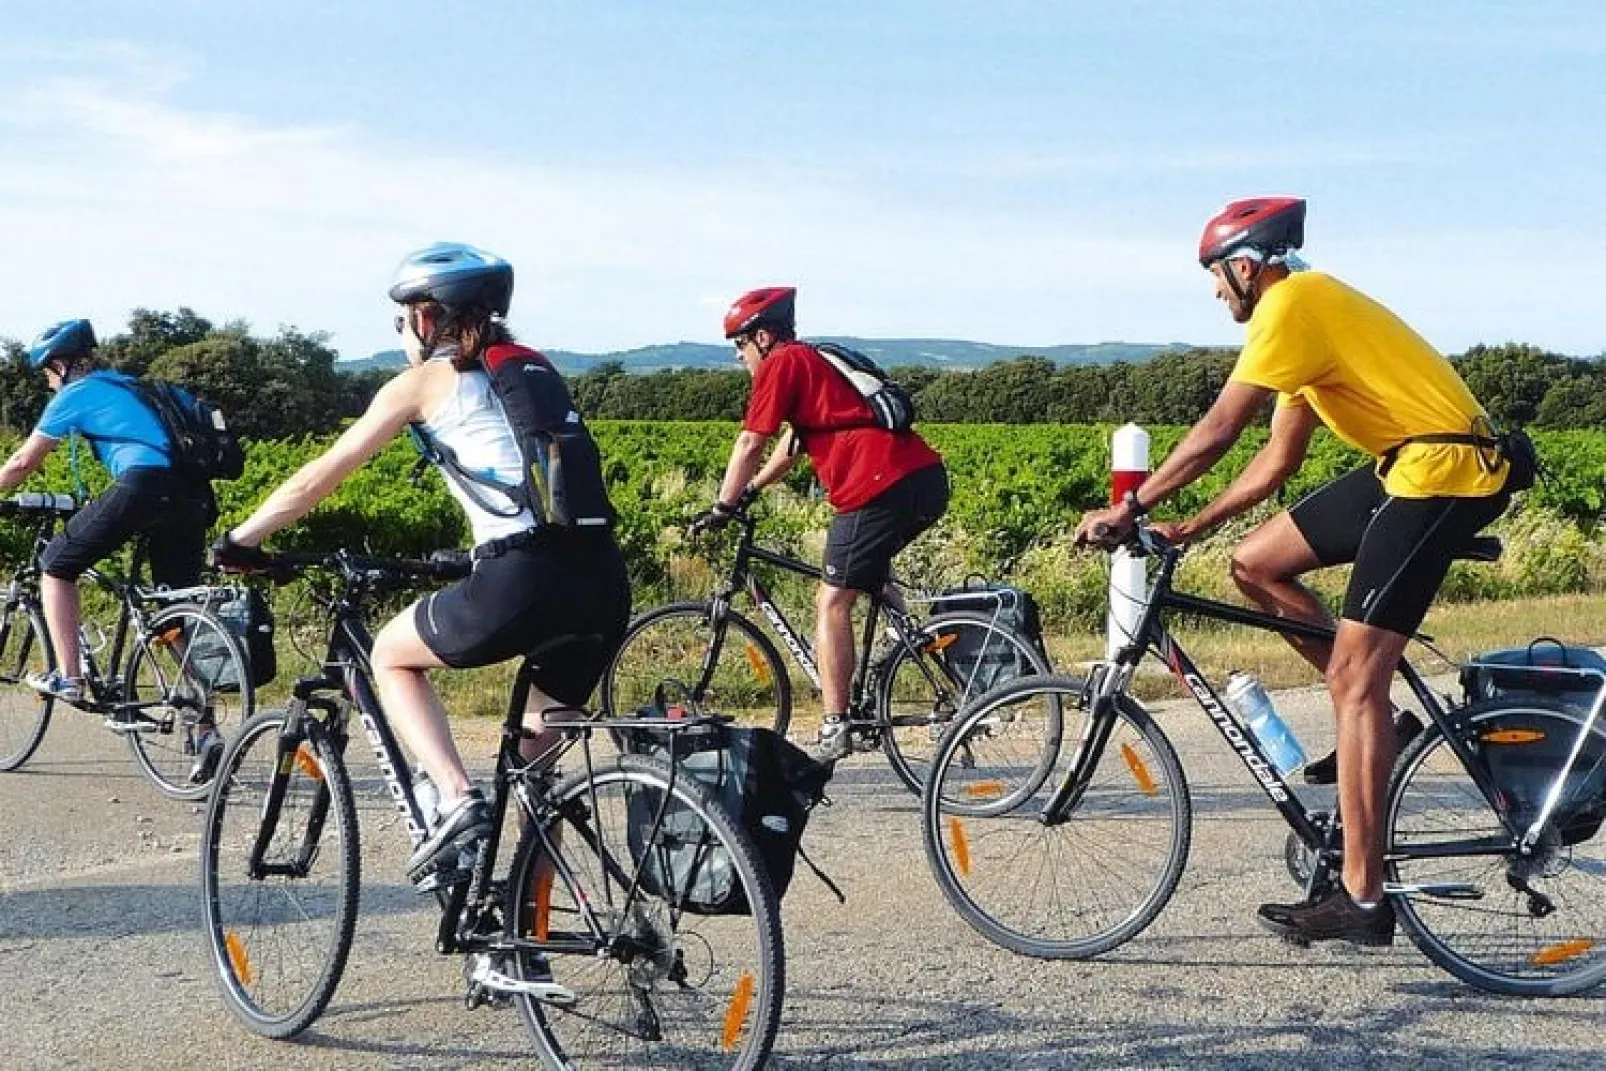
148 495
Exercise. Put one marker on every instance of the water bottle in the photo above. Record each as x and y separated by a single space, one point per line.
428 797
1248 698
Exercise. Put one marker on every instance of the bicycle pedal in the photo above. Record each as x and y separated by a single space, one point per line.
139 725
485 975
444 878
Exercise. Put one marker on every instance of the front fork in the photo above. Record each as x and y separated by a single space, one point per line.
295 754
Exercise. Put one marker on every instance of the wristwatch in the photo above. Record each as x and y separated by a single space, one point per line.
1133 506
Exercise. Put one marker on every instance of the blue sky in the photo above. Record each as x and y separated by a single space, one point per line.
1009 172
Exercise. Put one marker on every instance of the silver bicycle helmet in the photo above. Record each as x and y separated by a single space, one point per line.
455 275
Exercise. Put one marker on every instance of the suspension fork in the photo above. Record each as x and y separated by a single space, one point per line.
299 730
1089 752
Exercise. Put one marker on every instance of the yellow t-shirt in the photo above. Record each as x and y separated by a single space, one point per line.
1371 379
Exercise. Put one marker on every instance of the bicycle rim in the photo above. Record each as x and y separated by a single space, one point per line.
24 713
279 943
961 657
747 679
1507 941
677 989
1079 887
187 673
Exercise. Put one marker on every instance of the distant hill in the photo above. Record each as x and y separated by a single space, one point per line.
887 352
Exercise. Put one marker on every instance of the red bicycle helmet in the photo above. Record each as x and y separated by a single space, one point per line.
1269 225
771 305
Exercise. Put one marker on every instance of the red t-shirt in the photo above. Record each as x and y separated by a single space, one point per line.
796 386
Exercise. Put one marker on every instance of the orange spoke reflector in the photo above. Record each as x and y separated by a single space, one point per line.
755 659
985 790
1139 768
543 902
1549 957
307 764
1512 736
942 643
239 962
961 846
736 1014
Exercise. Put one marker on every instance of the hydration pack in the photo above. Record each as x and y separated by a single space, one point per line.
891 407
563 482
199 442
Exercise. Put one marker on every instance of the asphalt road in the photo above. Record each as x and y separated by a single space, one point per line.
102 964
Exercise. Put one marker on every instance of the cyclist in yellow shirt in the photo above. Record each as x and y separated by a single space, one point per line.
1331 355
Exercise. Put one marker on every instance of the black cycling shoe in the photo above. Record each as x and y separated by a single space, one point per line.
1333 917
459 830
1324 771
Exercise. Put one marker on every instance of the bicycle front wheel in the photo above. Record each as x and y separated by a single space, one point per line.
728 665
1530 925
24 713
958 657
644 981
279 927
189 683
1081 884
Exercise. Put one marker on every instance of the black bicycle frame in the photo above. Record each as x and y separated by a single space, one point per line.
1152 634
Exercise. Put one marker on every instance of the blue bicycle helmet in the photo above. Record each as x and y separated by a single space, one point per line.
65 342
455 275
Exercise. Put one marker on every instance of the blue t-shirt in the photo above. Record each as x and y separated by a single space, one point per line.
121 429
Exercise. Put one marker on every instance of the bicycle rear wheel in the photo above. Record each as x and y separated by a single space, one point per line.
189 679
729 666
653 985
24 713
1084 884
1525 926
279 939
960 657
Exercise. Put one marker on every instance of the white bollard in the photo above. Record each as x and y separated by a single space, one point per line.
1129 581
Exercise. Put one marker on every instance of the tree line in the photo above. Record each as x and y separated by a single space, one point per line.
289 385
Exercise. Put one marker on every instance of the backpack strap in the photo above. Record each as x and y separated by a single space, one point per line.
135 387
1447 438
434 452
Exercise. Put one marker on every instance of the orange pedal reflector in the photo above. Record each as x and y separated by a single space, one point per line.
1512 736
1139 768
755 659
942 643
985 790
961 846
1549 957
239 962
736 1014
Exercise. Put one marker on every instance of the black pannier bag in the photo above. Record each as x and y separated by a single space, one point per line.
981 663
249 618
1523 750
767 785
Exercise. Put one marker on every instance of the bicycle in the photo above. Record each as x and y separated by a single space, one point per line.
1492 858
589 931
175 671
900 698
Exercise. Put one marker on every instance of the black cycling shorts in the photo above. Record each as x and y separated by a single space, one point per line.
861 543
568 583
172 511
1401 547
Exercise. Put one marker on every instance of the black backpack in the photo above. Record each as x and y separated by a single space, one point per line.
563 483
199 442
767 784
891 407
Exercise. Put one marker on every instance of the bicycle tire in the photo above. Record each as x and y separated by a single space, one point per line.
673 643
279 944
1075 889
1498 942
913 719
24 712
189 684
716 1015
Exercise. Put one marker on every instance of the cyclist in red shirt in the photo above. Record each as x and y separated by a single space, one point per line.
886 487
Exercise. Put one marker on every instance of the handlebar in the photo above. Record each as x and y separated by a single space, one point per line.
1141 539
285 565
38 504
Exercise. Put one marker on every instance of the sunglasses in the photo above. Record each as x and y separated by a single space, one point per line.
741 342
400 322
